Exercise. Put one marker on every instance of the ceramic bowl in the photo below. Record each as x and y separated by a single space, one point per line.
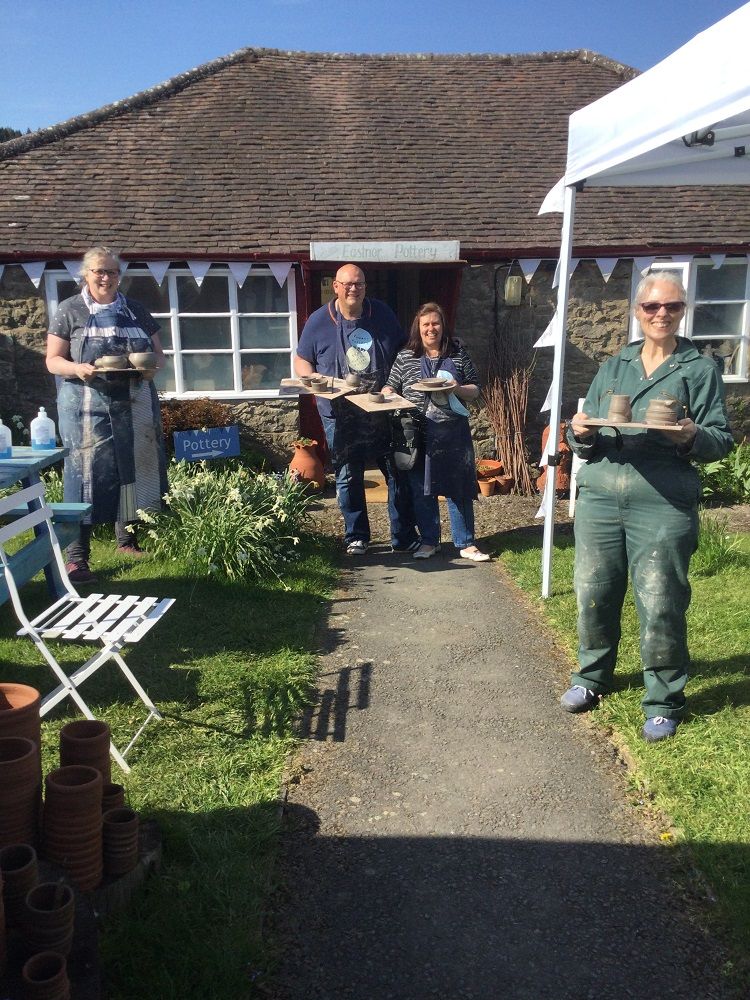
432 383
305 380
142 359
376 397
111 361
353 379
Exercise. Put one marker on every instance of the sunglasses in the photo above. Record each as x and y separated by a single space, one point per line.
651 308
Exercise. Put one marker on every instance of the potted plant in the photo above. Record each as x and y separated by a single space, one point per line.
487 468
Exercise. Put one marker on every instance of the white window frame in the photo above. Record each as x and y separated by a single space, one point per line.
688 271
171 319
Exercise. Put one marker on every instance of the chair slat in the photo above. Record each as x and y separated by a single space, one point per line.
87 609
96 623
151 619
119 631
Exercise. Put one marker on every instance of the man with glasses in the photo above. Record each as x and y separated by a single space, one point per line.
353 333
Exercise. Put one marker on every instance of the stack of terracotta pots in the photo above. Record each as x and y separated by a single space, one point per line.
113 797
47 918
45 977
20 873
86 741
20 790
120 841
72 835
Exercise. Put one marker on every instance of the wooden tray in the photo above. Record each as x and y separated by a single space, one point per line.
289 385
445 387
392 402
604 422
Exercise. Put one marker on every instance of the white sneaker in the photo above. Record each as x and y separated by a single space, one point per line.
356 548
473 553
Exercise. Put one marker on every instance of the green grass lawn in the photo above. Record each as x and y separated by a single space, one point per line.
230 667
701 779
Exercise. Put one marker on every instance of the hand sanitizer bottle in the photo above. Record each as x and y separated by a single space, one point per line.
6 442
42 431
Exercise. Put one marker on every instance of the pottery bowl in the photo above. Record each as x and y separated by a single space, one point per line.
376 397
142 359
353 379
432 383
305 380
318 380
111 361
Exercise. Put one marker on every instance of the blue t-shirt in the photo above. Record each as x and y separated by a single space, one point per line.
319 344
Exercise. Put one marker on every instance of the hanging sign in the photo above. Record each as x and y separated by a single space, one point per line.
213 442
387 251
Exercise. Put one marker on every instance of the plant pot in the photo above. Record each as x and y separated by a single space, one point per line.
45 977
113 797
72 834
486 487
503 484
307 466
86 741
47 918
120 841
19 711
488 468
19 869
20 791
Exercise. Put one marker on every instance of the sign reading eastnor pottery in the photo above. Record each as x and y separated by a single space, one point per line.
212 442
387 251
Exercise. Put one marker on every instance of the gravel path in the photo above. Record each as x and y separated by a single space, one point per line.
450 832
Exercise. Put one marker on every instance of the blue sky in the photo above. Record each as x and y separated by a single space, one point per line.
60 58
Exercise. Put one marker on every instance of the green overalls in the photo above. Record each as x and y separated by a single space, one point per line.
637 508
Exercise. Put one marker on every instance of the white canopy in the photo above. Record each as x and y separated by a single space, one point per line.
685 121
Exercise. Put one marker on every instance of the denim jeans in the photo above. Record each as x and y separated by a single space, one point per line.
427 512
80 549
350 491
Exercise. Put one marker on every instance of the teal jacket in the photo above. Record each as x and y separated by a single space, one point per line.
686 376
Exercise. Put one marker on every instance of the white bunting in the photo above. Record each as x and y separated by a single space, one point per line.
199 270
547 339
718 259
73 267
2 268
35 270
547 404
240 270
642 264
529 267
280 270
606 266
556 277
547 499
158 268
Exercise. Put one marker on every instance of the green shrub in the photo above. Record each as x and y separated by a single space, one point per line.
717 548
53 486
228 522
728 480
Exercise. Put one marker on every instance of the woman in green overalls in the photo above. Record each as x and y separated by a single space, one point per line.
637 506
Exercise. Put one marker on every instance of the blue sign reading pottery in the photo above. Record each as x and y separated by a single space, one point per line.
213 442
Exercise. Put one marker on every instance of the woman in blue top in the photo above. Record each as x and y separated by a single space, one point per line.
110 423
446 465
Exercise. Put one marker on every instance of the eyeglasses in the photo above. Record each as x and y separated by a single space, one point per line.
651 308
100 272
351 284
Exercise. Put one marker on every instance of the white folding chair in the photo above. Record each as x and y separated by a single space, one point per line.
110 620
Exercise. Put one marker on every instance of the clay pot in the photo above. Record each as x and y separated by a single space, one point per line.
113 797
20 873
503 484
86 741
376 397
353 380
488 468
19 711
619 409
662 411
20 790
486 487
111 361
72 835
307 466
142 359
47 918
120 841
562 478
45 977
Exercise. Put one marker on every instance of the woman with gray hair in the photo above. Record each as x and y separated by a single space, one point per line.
110 422
637 505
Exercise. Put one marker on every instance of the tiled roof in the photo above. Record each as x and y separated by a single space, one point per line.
262 151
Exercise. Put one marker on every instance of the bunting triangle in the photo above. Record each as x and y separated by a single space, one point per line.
547 339
73 267
642 264
718 259
529 267
240 270
2 268
199 270
35 270
158 268
556 278
280 270
606 266
547 404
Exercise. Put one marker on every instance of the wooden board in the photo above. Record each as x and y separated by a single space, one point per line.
603 422
392 402
293 385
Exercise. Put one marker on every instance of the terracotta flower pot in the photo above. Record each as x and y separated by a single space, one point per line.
486 487
86 741
120 841
19 711
19 790
113 797
503 484
307 466
47 918
45 977
20 873
72 834
488 468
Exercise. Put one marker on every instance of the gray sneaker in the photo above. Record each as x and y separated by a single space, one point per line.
659 728
579 699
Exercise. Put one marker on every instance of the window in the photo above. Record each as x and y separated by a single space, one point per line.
220 339
717 318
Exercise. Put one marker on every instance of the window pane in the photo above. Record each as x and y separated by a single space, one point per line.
207 372
726 354
262 295
165 334
211 297
164 380
257 331
727 282
264 371
714 319
144 289
204 333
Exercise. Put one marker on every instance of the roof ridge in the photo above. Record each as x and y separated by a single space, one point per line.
175 84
